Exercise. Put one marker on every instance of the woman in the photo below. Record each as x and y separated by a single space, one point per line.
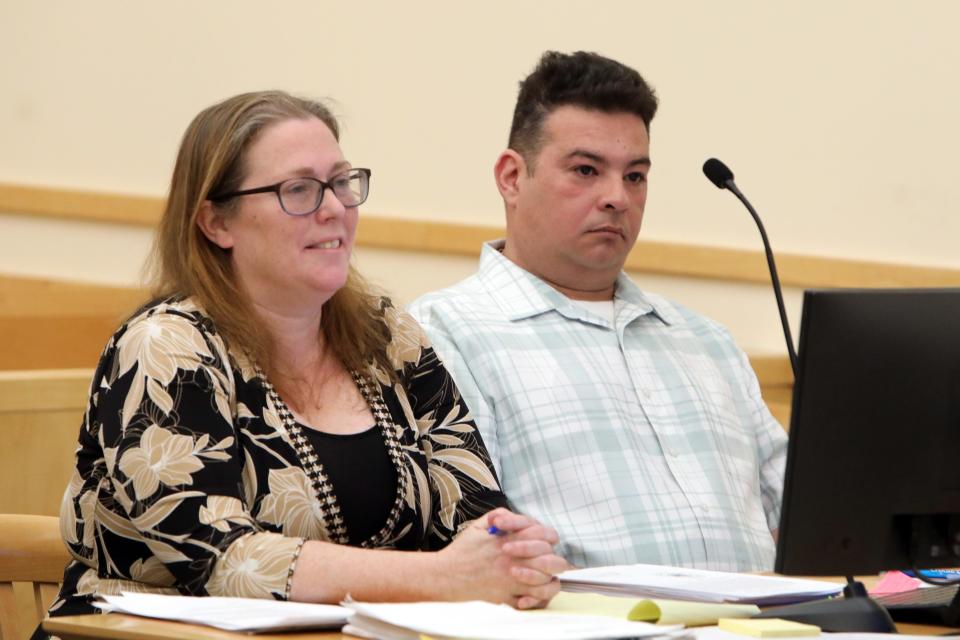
269 428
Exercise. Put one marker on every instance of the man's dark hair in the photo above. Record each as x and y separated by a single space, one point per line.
582 79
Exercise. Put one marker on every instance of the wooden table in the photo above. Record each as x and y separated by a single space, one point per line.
118 626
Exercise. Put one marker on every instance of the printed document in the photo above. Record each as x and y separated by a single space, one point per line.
232 614
656 581
486 621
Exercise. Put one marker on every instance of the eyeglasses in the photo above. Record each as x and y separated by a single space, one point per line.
303 196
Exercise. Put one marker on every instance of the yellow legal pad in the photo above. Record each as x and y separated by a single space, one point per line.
767 627
666 612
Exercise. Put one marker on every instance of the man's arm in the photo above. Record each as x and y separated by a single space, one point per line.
771 448
435 323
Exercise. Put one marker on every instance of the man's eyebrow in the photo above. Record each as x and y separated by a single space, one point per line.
589 155
595 157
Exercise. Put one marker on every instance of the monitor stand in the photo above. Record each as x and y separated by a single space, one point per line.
854 612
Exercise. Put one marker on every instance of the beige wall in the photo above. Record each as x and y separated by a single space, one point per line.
838 118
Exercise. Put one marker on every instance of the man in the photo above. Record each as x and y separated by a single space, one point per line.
632 425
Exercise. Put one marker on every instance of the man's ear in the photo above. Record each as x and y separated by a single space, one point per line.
214 225
508 171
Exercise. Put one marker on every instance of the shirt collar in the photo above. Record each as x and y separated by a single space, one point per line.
521 295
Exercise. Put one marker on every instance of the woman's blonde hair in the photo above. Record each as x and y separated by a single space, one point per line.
185 262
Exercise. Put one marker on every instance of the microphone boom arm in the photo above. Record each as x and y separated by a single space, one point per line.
729 184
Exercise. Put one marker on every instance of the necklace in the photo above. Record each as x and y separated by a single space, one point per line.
329 506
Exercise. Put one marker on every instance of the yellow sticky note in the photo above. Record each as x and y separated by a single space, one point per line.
767 627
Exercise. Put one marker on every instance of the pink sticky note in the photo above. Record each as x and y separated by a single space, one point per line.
894 582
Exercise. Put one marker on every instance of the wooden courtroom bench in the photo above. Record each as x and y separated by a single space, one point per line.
776 385
47 324
53 333
40 415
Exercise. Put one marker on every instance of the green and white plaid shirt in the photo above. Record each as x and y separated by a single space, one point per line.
646 441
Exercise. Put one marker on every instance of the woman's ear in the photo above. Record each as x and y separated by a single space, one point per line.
213 225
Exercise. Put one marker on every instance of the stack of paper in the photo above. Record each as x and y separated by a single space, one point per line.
232 614
655 581
485 621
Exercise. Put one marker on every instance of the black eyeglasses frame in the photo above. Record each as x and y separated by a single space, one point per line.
275 189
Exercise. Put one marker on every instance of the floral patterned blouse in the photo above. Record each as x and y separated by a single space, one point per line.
193 477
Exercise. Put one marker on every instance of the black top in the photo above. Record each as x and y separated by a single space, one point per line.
362 476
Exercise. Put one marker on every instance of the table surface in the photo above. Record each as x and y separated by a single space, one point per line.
116 626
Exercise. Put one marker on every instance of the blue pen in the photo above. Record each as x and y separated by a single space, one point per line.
492 530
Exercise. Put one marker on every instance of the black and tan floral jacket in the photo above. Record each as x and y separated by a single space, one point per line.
192 476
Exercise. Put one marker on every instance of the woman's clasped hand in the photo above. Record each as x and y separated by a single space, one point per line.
505 557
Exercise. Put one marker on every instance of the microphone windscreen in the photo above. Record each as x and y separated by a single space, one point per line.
717 172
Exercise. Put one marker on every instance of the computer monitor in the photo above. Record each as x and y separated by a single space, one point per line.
873 465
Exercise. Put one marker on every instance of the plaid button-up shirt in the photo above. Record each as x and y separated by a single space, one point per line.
641 441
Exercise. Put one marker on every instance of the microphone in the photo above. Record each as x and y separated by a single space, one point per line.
721 176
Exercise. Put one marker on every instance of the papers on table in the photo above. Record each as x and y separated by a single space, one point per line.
485 621
655 581
232 614
438 620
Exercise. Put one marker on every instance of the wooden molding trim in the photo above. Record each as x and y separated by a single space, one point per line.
86 206
402 234
44 390
22 296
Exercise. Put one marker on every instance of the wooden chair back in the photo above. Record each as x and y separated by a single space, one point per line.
33 557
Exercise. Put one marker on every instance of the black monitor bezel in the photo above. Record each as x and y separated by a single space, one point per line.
806 547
